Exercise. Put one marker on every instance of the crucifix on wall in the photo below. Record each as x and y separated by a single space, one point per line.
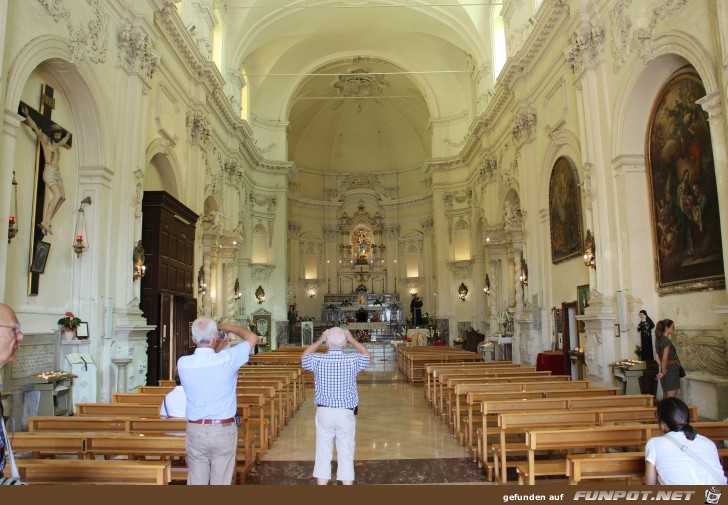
50 137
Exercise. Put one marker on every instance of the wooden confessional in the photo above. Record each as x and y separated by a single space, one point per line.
167 291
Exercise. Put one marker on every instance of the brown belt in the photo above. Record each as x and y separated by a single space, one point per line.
222 422
327 407
673 362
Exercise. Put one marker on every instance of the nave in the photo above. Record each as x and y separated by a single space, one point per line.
398 439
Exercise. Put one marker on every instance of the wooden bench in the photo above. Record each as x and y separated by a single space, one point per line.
489 408
596 439
611 465
518 422
80 471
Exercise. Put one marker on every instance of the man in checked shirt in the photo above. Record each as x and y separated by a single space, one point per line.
336 398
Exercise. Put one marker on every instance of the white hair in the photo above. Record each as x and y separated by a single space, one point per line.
204 330
336 338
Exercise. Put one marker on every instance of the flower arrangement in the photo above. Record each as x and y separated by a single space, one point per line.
69 322
638 352
379 301
395 306
331 306
252 327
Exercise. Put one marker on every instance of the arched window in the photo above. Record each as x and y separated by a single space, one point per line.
461 241
218 41
413 261
260 244
310 262
498 42
244 96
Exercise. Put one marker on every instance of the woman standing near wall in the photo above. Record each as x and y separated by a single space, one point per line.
666 357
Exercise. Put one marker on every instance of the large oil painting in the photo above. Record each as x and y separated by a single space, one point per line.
565 212
684 196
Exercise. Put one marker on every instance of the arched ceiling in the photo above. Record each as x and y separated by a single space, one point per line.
359 82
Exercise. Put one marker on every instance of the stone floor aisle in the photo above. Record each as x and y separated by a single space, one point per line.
398 440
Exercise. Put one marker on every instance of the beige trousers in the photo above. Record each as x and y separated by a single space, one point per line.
211 451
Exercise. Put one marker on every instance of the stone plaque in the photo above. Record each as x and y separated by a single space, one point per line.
32 359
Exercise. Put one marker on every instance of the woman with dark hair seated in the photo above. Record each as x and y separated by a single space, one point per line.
680 456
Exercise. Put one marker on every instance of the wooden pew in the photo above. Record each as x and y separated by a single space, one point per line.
81 471
459 392
597 439
611 465
489 408
519 422
45 445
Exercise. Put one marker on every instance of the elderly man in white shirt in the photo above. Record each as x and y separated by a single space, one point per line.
209 378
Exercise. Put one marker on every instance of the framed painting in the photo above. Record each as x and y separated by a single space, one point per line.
683 191
582 302
565 212
40 257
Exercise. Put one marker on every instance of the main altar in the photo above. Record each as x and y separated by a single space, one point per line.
377 314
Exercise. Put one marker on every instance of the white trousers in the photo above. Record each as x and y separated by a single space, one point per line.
335 425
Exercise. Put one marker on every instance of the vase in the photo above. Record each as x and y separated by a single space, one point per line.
68 334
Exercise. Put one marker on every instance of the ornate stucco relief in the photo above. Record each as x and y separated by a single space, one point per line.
93 41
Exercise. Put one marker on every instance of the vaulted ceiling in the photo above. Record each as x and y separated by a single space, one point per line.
359 82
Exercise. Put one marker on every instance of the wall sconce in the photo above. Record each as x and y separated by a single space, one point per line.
13 219
524 272
590 258
201 285
462 291
311 292
236 290
486 288
80 236
138 259
260 294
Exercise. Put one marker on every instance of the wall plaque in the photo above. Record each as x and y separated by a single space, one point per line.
33 359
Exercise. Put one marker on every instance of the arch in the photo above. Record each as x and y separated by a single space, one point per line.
563 143
259 244
671 51
162 159
317 65
50 54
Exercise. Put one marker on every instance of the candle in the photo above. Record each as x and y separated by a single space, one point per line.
79 238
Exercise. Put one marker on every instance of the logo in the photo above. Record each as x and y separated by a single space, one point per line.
712 496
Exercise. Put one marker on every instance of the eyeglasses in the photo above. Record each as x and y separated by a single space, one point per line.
15 327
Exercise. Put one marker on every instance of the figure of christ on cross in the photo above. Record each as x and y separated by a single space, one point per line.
51 174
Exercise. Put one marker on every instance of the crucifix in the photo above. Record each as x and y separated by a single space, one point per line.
50 136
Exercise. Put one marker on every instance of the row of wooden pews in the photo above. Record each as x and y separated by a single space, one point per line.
126 442
412 360
541 425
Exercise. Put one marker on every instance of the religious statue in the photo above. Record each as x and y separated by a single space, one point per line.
213 219
645 328
416 309
51 173
361 241
138 259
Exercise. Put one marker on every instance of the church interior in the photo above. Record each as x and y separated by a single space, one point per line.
516 179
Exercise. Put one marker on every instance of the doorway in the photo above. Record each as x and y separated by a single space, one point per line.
570 340
168 235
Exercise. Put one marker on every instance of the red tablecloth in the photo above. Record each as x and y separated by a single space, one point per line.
551 360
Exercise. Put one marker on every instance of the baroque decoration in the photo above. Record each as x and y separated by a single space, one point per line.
703 350
92 42
587 47
136 55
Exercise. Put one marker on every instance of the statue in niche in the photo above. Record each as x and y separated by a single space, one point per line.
361 243
511 214
213 219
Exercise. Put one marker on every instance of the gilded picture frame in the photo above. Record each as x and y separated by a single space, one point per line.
567 240
582 302
682 186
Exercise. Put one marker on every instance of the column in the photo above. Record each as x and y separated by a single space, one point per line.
11 122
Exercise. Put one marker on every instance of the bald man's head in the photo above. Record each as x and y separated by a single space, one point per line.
336 338
10 334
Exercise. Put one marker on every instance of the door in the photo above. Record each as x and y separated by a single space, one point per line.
166 330
569 337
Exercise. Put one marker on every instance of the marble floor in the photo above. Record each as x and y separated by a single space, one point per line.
398 439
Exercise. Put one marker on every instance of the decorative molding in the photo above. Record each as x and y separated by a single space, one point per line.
524 126
92 42
136 55
198 129
139 192
461 270
428 225
703 350
586 186
294 230
626 39
587 47
261 273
